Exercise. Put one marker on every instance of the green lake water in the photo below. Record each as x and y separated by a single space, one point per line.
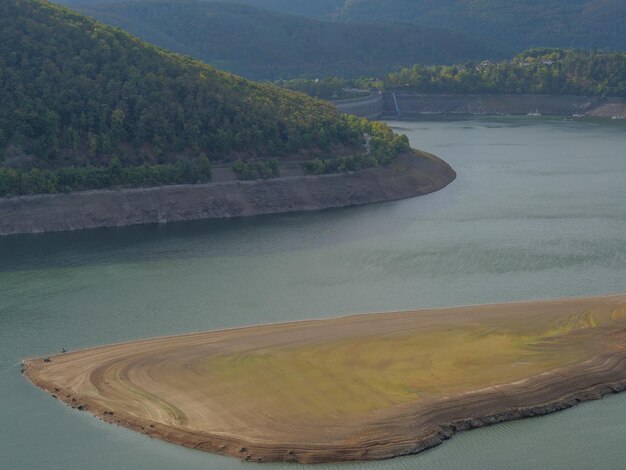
538 211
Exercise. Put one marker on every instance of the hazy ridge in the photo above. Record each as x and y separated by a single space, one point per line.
262 44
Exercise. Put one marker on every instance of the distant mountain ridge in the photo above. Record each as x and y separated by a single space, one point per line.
516 24
261 44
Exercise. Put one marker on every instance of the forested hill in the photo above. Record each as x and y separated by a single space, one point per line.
78 94
261 44
544 71
518 24
538 71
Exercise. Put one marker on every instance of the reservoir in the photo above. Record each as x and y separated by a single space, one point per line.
537 211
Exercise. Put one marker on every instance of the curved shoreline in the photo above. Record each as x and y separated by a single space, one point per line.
405 428
409 175
257 452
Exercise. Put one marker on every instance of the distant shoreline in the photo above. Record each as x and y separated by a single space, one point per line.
409 175
177 388
407 103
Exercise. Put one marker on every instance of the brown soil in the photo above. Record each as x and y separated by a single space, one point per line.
363 387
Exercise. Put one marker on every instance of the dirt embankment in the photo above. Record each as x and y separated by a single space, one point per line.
408 176
407 103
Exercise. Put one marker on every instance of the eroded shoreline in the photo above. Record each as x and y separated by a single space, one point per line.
409 175
406 103
265 431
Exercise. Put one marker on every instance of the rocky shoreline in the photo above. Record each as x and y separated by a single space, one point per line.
410 175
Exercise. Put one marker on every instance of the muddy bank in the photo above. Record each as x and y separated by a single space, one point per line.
406 103
287 452
408 176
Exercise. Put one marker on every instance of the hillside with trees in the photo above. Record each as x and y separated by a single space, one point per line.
87 106
518 24
266 45
536 71
515 24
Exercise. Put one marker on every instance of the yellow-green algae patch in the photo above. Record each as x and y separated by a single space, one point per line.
343 377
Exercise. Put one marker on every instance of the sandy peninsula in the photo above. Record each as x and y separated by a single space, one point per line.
362 387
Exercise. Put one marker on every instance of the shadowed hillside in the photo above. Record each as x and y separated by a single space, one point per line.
262 44
518 24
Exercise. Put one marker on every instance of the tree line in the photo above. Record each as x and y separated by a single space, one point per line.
256 169
539 71
381 147
64 180
536 71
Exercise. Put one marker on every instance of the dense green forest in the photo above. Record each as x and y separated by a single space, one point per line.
382 147
516 24
540 71
260 44
83 105
537 71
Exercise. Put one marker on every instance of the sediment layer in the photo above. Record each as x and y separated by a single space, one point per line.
409 175
406 103
363 387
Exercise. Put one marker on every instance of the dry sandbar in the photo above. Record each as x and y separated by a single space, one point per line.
363 387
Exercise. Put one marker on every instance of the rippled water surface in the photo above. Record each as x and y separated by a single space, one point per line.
538 211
